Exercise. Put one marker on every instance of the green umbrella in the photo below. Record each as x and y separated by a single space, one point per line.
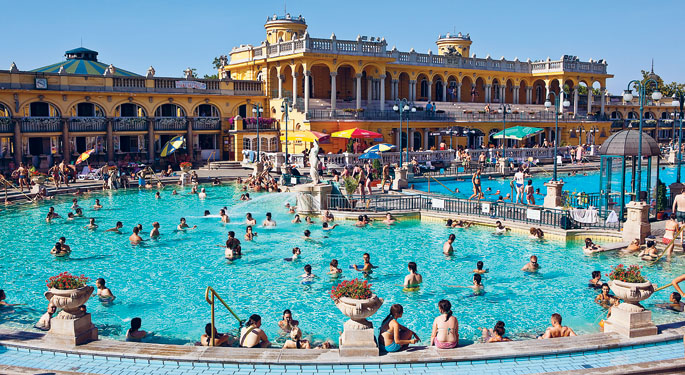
518 133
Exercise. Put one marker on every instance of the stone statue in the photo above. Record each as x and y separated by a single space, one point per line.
314 163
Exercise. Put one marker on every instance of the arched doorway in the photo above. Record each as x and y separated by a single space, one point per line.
416 141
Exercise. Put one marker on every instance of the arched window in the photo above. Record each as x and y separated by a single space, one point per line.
86 109
130 110
247 143
274 144
170 110
41 109
206 110
424 88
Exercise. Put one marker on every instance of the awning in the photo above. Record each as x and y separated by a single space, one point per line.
518 133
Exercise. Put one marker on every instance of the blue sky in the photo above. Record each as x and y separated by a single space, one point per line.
172 35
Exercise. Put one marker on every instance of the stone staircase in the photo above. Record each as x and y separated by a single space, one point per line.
222 165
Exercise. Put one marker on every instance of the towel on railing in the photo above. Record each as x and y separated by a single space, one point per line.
612 217
586 216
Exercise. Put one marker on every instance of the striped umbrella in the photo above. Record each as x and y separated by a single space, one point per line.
356 133
381 147
84 156
171 146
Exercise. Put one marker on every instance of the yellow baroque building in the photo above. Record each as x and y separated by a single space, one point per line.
63 109
338 84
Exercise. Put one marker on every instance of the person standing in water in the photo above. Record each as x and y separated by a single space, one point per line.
154 233
413 281
447 246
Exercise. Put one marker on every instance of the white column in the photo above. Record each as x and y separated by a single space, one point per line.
425 139
458 92
561 100
359 90
516 94
280 86
307 75
575 101
546 93
334 94
369 91
430 91
382 85
589 99
444 92
602 92
294 88
394 89
503 94
488 93
412 91
410 141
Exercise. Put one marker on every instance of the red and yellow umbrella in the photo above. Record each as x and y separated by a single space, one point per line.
306 136
85 156
356 133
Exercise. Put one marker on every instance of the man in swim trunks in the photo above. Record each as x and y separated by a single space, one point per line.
557 330
475 180
154 233
679 210
103 291
268 222
413 280
116 228
22 174
233 249
447 246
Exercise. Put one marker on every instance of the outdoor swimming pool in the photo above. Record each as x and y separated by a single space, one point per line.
163 281
579 183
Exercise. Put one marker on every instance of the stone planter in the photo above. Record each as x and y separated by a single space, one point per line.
357 339
185 169
69 300
630 318
631 293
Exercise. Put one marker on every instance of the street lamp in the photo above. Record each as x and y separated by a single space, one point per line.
286 108
548 104
257 110
402 106
628 96
504 110
677 101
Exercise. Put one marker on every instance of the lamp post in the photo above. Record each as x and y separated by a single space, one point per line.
548 104
257 110
628 96
677 101
504 110
400 107
286 108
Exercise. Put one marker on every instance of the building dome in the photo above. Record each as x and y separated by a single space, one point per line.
84 61
453 45
626 143
284 28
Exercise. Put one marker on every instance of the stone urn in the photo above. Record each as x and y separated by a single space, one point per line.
631 294
185 168
357 339
69 301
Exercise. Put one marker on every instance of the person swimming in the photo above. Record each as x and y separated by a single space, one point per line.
307 277
596 281
412 282
591 247
116 228
367 268
532 265
308 220
296 254
183 226
477 286
91 224
58 251
249 234
479 268
224 218
157 195
154 233
333 269
135 237
389 220
103 292
296 219
97 205
206 213
325 227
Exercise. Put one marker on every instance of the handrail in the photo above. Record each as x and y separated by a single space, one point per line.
436 180
7 182
211 303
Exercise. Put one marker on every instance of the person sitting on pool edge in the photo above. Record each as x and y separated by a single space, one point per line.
296 341
252 335
447 246
394 336
412 282
44 321
591 247
445 333
220 339
135 333
532 265
288 323
557 330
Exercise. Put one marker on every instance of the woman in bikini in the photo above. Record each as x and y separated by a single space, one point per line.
445 333
249 234
395 336
671 227
296 341
604 298
477 192
252 336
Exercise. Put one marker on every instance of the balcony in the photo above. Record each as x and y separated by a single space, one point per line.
171 123
129 124
250 123
6 125
88 124
444 116
206 123
41 125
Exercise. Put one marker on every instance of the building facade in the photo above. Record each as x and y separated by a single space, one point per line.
61 110
338 84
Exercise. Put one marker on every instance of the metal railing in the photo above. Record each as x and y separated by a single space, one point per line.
290 180
206 123
534 215
88 124
210 292
41 124
6 125
444 116
171 123
130 124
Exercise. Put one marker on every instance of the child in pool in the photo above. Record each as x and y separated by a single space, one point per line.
333 268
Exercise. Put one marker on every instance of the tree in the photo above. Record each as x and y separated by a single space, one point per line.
193 72
582 90
217 63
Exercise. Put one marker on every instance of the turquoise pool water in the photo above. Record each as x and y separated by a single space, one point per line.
584 181
163 281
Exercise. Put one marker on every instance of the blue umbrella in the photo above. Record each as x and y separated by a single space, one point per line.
369 155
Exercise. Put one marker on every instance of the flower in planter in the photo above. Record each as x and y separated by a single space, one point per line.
351 289
65 281
186 164
632 274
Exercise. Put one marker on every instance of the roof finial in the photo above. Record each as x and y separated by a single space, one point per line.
285 7
81 41
652 65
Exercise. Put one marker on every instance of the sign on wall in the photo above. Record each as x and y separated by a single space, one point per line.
191 85
533 214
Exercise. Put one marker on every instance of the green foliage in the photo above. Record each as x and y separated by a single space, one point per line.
216 63
661 201
350 184
377 166
349 145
